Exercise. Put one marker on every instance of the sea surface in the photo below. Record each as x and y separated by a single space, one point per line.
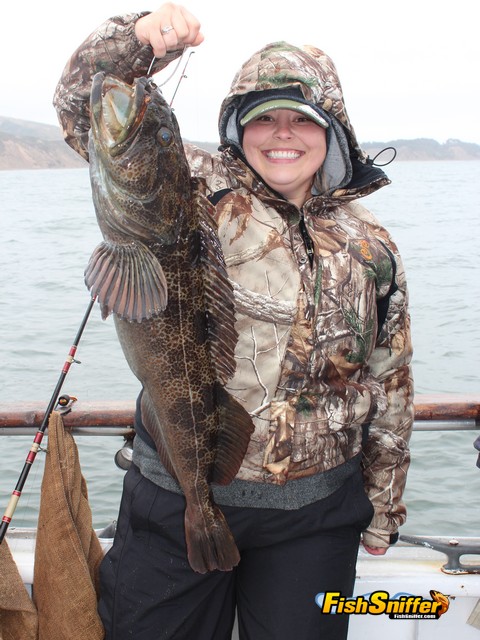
48 231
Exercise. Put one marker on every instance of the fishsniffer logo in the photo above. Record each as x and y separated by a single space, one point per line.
404 606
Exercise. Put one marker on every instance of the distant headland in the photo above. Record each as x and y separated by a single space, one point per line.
33 145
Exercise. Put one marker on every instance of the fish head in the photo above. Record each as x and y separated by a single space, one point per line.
140 175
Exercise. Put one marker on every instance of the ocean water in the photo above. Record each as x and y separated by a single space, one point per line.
48 231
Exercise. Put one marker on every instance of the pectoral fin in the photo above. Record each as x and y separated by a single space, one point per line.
127 280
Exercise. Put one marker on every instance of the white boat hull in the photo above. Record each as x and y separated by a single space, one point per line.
415 570
404 569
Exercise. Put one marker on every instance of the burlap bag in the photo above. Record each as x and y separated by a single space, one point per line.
18 616
67 550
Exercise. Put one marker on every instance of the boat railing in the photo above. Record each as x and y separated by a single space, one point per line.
415 565
439 412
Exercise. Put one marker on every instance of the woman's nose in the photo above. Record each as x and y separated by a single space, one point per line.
283 130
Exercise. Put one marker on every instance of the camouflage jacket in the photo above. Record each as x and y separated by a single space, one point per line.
321 299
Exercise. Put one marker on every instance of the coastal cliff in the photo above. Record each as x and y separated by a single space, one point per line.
32 145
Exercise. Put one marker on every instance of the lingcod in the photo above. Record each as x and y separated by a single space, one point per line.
160 271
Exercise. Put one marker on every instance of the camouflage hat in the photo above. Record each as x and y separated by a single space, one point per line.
255 103
292 105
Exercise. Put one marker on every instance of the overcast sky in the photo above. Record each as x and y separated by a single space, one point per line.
409 69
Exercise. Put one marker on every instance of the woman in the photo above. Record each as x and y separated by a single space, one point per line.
323 356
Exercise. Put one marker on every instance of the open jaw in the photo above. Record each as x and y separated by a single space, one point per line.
118 110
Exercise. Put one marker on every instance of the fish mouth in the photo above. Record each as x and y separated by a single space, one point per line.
118 110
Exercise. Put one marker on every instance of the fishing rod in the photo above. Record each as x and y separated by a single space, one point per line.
17 492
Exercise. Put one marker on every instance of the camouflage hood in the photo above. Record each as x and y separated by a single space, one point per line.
311 75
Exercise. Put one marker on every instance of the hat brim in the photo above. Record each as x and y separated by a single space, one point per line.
292 105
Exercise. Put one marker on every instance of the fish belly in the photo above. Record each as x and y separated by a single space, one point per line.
180 414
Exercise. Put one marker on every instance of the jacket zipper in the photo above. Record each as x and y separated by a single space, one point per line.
307 240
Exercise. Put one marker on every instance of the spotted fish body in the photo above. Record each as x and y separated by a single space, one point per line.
160 271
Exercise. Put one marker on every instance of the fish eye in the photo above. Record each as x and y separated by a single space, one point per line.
164 136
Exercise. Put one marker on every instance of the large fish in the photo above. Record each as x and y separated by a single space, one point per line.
160 271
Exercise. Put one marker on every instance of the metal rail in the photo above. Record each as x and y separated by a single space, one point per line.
439 412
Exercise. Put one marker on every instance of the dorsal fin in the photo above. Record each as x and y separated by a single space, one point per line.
219 297
127 280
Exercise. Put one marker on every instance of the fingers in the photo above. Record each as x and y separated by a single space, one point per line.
375 551
168 29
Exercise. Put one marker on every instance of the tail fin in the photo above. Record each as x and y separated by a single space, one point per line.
210 543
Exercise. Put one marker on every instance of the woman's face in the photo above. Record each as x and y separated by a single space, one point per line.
286 149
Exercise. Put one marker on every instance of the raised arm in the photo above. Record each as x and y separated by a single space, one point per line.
124 46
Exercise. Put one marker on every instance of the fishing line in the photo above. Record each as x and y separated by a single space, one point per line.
173 72
182 76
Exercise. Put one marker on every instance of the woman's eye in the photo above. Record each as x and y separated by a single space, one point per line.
164 136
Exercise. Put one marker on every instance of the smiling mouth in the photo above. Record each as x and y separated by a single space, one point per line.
278 154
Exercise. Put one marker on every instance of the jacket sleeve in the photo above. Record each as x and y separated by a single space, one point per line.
386 455
112 48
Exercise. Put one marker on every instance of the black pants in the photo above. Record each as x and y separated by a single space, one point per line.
149 592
